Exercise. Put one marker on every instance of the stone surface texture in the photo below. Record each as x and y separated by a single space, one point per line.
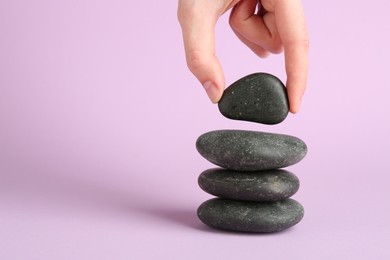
259 97
255 217
242 150
269 185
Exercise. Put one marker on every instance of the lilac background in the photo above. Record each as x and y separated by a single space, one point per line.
99 116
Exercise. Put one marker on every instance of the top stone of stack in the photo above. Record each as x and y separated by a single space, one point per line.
259 97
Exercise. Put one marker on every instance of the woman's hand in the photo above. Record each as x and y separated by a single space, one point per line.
268 26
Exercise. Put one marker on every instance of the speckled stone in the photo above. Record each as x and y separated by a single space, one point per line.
244 216
259 97
249 150
269 185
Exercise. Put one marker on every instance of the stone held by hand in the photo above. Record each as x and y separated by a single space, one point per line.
258 97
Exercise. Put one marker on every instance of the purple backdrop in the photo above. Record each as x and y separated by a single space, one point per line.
99 117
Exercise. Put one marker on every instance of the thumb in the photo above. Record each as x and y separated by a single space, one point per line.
198 34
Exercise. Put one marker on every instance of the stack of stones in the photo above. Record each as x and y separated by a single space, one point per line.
253 191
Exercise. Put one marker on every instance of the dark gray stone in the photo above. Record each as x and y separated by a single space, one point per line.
247 216
269 185
249 150
259 97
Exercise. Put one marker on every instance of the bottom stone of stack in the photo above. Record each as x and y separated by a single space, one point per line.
255 217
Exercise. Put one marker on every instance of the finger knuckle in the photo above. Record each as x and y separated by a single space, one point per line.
262 54
195 60
305 43
301 43
235 22
277 47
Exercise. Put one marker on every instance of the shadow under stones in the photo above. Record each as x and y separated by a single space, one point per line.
189 218
181 216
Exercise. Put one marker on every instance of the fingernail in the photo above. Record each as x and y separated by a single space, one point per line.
212 91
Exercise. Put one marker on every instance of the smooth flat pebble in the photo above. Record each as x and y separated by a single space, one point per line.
256 217
242 150
268 185
259 97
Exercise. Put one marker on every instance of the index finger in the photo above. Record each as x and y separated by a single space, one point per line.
291 25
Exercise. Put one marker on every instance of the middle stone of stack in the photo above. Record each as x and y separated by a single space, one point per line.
254 193
268 185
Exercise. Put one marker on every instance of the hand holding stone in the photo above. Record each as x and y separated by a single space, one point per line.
280 25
